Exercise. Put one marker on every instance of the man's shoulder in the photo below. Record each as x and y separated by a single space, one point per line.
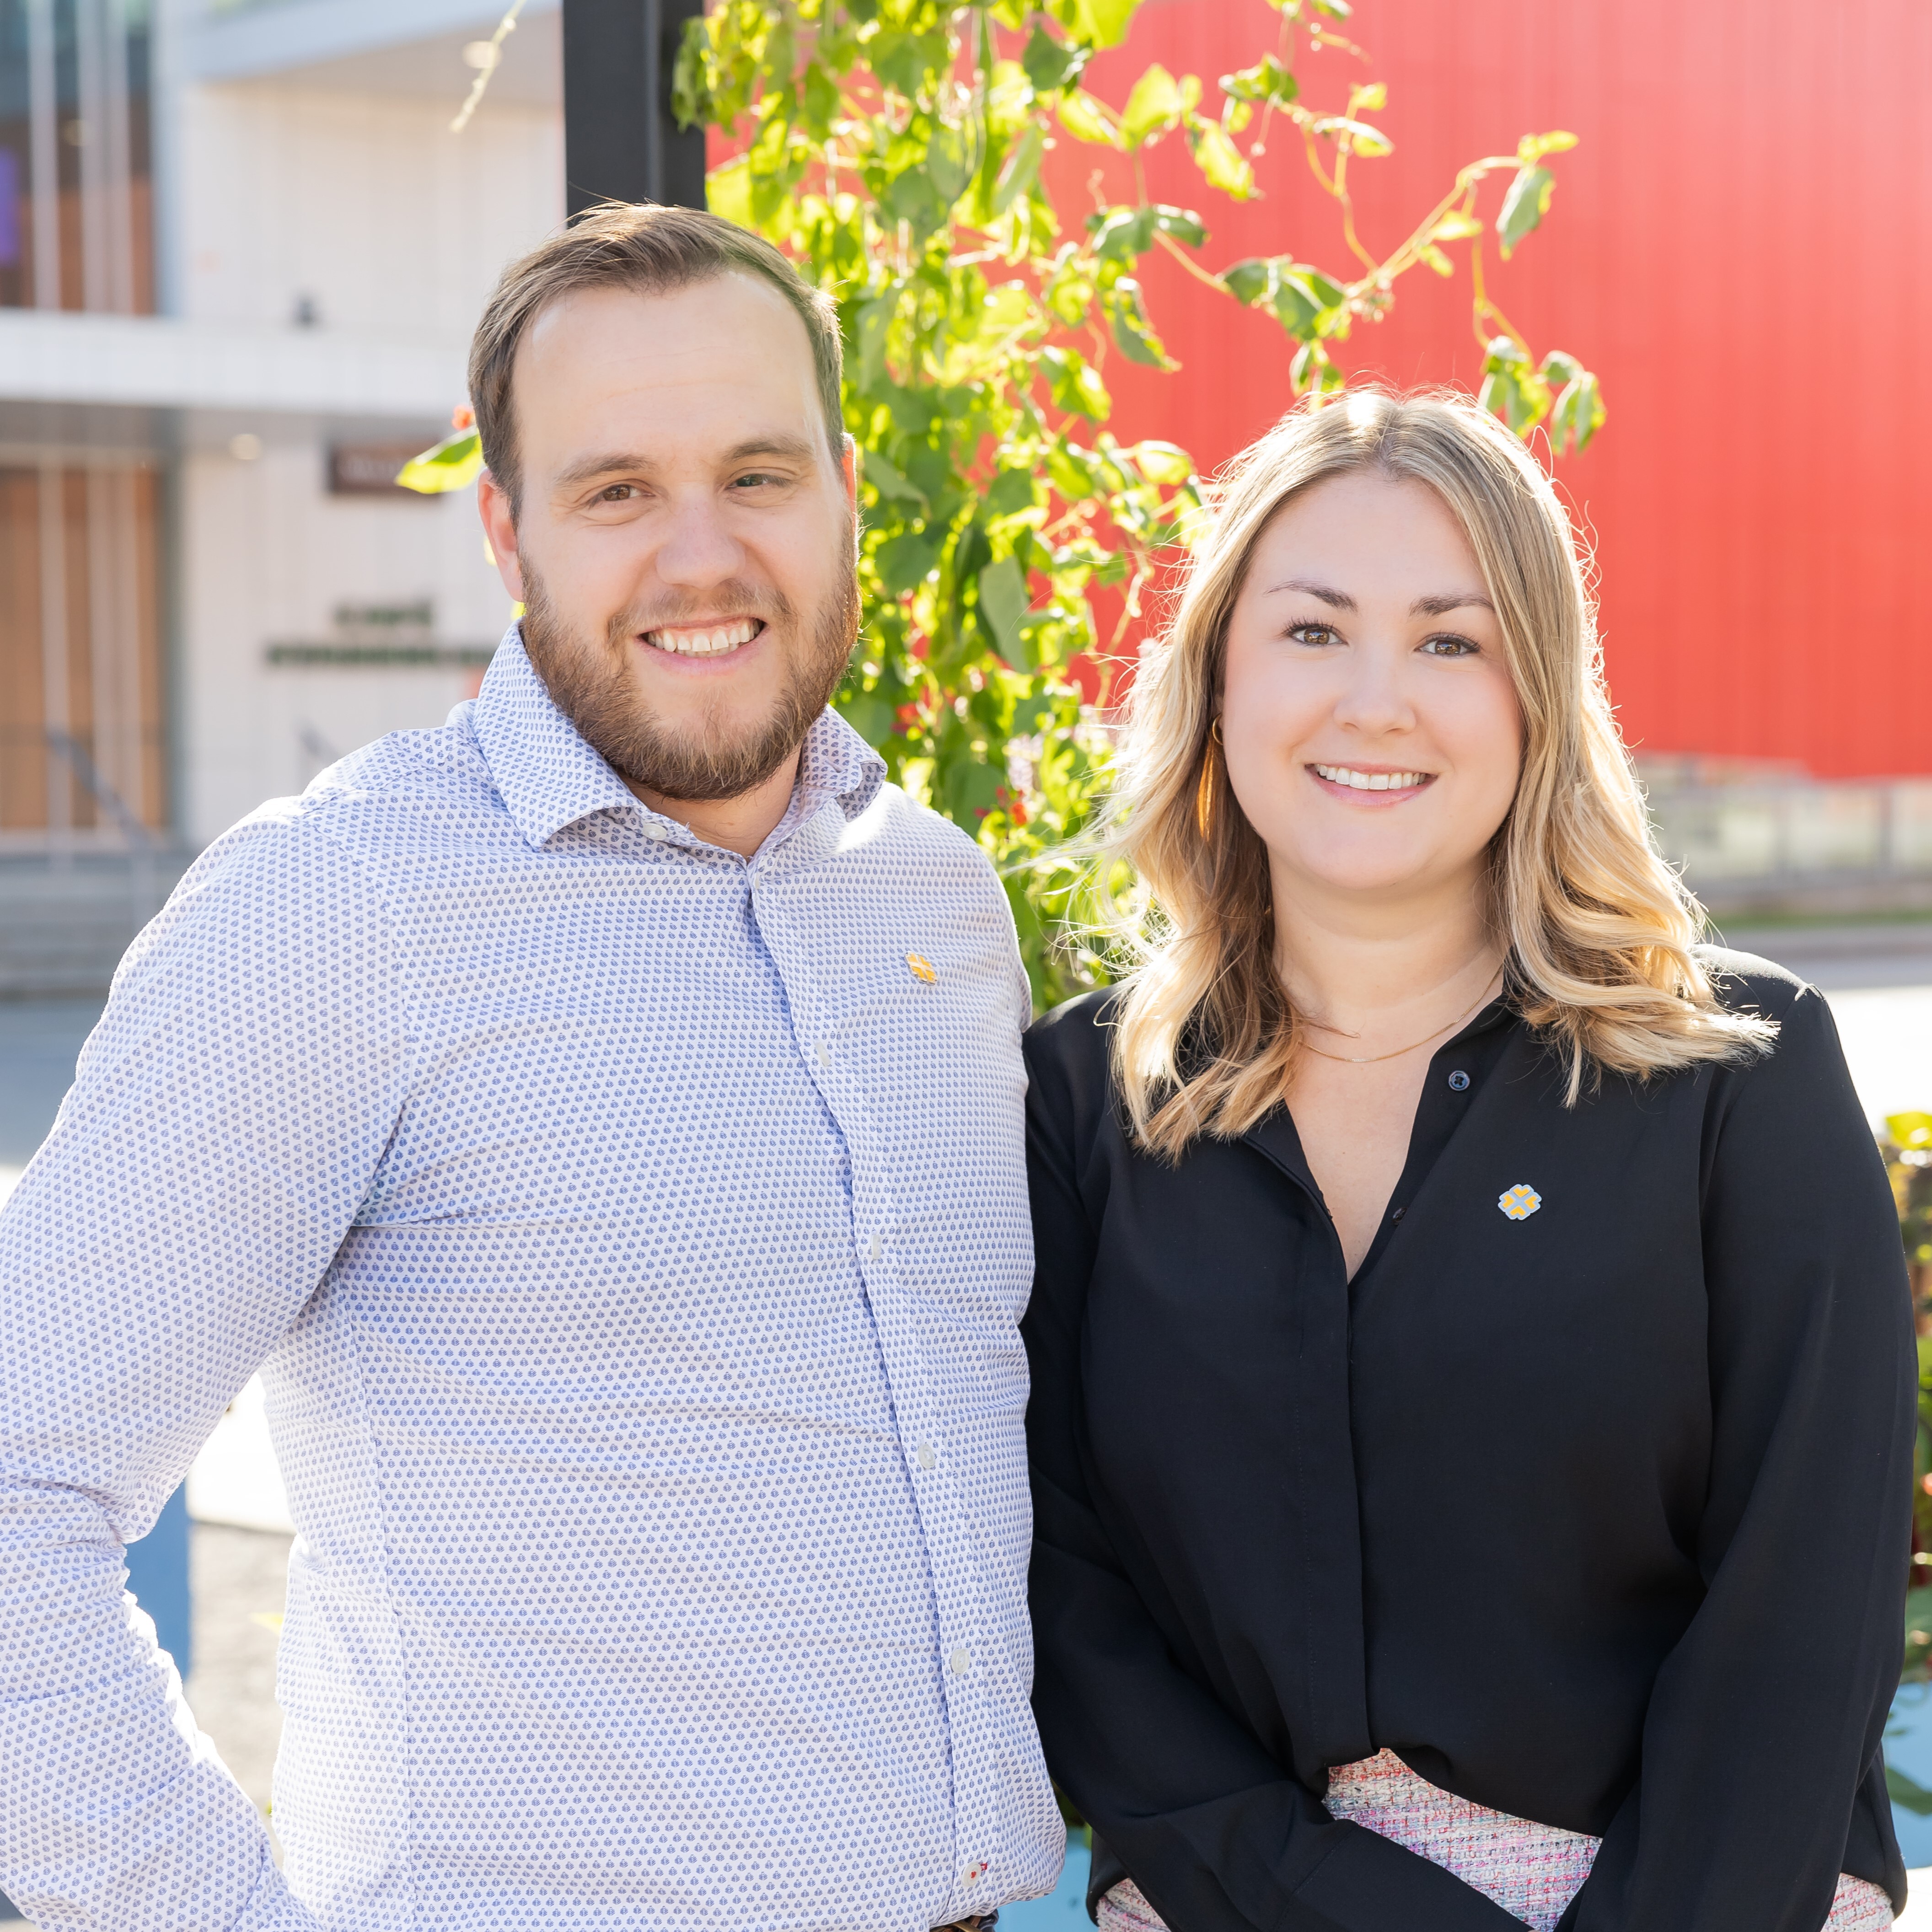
896 828
403 793
438 776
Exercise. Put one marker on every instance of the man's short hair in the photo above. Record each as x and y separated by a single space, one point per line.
654 251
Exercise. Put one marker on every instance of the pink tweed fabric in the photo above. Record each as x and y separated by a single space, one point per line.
1532 1871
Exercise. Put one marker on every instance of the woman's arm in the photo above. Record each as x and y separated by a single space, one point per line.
1766 1717
1218 1837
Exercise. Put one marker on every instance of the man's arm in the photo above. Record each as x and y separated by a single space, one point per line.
225 1120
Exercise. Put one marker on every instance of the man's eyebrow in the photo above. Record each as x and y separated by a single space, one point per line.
1450 600
800 448
611 462
1335 600
588 469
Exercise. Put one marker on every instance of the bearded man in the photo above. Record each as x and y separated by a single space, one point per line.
600 1121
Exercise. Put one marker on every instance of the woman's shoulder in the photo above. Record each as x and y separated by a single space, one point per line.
1746 983
1804 1044
1069 1058
1076 1037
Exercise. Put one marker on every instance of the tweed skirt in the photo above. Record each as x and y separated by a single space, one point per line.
1532 1871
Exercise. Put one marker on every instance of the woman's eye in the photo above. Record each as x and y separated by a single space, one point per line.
1452 647
1320 635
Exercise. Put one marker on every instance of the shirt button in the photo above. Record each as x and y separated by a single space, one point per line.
656 831
927 1459
824 1056
872 1252
960 1661
1459 1082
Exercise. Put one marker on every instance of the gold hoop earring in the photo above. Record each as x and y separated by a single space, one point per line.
1203 792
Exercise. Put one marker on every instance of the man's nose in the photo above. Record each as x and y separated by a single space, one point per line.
698 550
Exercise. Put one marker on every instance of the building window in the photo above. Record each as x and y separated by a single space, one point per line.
82 751
77 227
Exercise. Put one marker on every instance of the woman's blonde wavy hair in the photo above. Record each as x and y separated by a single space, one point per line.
1598 930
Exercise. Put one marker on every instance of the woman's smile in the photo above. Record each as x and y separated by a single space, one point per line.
1369 785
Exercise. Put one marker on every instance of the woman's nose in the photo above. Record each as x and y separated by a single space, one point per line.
1373 699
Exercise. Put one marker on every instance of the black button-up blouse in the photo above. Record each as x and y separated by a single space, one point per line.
1589 1496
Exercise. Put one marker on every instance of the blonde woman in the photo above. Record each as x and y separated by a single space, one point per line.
1473 1370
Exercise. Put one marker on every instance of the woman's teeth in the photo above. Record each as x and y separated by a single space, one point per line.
1344 774
707 644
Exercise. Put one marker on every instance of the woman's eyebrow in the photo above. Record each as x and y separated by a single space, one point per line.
1450 600
1324 593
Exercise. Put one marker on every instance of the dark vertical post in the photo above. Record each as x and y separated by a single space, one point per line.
621 141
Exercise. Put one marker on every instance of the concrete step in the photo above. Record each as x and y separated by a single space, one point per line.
64 922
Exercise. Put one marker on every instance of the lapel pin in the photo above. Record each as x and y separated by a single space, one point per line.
922 968
1520 1202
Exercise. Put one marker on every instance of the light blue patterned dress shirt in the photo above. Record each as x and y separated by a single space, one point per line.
633 1240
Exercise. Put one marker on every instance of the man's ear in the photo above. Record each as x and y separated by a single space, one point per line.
499 534
851 467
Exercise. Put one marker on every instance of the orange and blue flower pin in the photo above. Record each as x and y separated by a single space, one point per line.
922 969
1520 1201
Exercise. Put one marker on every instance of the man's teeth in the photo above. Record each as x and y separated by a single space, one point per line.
1345 774
709 644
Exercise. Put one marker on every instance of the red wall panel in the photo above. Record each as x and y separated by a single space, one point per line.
1739 247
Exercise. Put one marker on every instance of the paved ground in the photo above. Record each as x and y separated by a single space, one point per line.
1878 978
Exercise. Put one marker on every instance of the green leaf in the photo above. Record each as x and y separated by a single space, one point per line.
1127 312
1906 1792
1456 227
1525 205
1296 305
727 191
969 788
1183 223
905 561
454 463
1022 168
1164 463
1578 412
1223 165
1909 1130
1051 64
1152 108
819 103
1266 80
1532 148
1003 603
1087 119
1074 385
1012 491
1252 280
691 97
878 469
1105 23
948 162
1371 143
1122 234
872 714
1511 388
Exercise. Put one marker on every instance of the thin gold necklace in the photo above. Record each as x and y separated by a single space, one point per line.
1371 1059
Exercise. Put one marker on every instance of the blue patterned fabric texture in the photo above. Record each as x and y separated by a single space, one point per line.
633 1241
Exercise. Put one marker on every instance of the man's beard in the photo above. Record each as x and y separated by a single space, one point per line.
588 682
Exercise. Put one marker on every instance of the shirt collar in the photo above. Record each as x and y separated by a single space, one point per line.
549 777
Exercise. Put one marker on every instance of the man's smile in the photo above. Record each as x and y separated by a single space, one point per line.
705 640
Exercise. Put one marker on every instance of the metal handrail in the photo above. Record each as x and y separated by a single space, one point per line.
142 846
